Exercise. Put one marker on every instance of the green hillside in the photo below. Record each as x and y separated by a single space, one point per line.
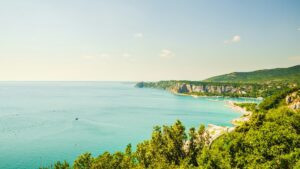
291 74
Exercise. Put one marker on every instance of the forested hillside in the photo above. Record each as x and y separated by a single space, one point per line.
291 74
260 83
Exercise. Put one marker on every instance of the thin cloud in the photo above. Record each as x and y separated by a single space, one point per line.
234 39
298 29
166 54
138 35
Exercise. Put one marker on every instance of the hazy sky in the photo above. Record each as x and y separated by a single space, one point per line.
135 40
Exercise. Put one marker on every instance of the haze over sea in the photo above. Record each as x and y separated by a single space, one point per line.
38 123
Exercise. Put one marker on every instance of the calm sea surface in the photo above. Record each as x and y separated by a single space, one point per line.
38 123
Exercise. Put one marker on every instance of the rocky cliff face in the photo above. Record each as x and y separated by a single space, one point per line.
216 89
293 100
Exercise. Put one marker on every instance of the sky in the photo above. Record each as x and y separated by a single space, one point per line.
145 40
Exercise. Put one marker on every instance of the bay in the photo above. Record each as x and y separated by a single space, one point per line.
42 122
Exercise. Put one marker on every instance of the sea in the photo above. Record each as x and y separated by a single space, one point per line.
43 122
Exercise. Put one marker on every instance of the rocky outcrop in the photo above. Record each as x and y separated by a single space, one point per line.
293 100
216 89
184 88
288 99
210 88
295 106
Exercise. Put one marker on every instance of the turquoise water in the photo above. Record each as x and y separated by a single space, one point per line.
38 126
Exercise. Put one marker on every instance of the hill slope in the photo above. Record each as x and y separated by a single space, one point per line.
291 74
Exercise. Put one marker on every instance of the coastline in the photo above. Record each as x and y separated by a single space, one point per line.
246 115
231 104
216 96
237 108
216 131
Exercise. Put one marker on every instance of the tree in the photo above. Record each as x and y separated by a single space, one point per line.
59 165
84 161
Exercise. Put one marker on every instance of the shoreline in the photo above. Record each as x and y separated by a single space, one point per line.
246 115
216 96
231 104
216 131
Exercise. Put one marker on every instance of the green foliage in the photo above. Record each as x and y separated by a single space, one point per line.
290 75
271 139
274 100
248 106
84 161
250 89
261 83
59 165
106 160
166 146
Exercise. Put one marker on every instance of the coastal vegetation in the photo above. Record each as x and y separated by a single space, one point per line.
270 139
226 89
266 136
260 83
247 106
